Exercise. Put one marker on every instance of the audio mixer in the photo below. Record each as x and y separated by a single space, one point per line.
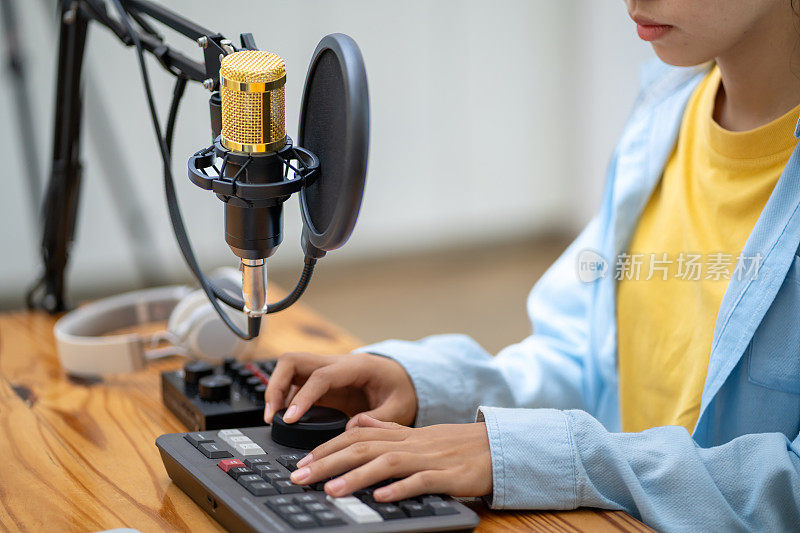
205 396
241 478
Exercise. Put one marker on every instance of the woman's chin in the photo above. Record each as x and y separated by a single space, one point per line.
680 56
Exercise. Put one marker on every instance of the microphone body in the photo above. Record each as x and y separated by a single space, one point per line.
254 232
253 131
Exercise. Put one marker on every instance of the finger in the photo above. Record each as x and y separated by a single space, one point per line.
278 386
341 461
317 385
290 395
423 482
385 466
350 437
372 419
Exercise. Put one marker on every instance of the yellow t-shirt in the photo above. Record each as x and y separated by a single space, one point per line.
700 215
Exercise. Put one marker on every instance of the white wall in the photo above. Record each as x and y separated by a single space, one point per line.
489 120
607 55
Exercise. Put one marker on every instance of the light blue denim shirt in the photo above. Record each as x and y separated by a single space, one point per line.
550 402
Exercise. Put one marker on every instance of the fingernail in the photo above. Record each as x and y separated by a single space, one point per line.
335 485
305 460
383 493
267 413
290 412
300 474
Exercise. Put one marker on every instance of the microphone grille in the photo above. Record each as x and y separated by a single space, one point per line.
253 102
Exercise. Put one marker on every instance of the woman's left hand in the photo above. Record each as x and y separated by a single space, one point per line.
449 459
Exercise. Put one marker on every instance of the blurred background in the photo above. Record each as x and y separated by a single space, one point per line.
491 128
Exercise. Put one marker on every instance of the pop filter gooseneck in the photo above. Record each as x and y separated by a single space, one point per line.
334 125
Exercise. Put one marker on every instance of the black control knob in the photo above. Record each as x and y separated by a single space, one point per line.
252 383
318 425
215 388
243 375
233 369
226 365
195 370
257 396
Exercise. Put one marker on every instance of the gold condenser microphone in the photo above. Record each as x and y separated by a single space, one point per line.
253 130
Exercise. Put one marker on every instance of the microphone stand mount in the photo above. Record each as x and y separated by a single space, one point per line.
62 193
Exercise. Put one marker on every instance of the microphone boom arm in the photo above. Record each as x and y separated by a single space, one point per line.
61 200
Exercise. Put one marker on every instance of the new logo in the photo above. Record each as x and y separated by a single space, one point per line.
591 266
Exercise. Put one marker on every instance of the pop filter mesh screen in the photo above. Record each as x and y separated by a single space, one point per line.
324 134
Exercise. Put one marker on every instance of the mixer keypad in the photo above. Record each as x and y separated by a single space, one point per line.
266 475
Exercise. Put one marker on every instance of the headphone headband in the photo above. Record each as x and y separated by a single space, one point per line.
85 350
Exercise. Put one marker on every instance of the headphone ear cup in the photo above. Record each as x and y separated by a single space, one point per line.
209 338
180 320
227 278
196 328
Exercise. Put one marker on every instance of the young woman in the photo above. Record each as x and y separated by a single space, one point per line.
686 335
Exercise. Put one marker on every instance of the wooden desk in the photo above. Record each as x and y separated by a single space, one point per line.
81 457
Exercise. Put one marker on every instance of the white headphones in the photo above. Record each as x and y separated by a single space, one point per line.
193 329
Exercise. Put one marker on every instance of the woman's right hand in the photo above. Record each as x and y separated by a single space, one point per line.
358 383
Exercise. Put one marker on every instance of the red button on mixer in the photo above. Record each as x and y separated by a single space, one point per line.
227 464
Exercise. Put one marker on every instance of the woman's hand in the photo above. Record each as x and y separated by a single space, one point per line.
354 384
449 459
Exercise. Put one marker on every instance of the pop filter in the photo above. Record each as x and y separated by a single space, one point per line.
334 125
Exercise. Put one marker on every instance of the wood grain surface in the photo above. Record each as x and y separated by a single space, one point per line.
81 456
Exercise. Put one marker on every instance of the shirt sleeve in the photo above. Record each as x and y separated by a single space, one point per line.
453 375
550 459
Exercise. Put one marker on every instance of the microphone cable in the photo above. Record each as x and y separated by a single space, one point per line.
214 294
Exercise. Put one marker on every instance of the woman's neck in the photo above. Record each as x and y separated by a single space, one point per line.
760 75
